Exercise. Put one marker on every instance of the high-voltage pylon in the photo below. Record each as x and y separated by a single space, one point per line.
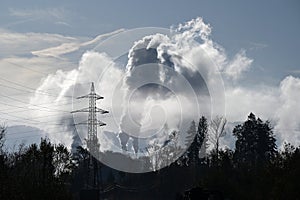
92 122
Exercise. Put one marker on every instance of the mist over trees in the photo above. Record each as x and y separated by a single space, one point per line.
254 169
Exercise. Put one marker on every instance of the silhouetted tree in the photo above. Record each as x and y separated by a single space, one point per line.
202 134
2 137
63 162
192 141
255 170
30 173
3 167
197 148
255 142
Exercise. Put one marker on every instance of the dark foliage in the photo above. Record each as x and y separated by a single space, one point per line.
36 172
255 169
255 144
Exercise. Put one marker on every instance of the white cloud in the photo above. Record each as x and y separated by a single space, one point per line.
190 41
58 106
280 105
12 43
295 71
27 58
88 71
257 45
288 114
29 71
241 101
49 13
69 47
19 66
238 65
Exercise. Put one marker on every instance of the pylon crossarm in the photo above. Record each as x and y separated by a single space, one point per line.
88 110
96 96
101 111
98 122
85 96
81 110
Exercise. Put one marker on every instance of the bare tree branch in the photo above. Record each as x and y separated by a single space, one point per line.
217 130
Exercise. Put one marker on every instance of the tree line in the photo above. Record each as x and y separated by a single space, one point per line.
254 169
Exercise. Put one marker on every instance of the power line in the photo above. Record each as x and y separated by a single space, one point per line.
26 108
19 132
36 121
24 137
34 89
33 92
30 88
32 121
32 104
23 107
17 116
30 69
31 135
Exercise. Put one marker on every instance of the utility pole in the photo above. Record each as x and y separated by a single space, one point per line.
92 139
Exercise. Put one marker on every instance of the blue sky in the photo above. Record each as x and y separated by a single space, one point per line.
266 31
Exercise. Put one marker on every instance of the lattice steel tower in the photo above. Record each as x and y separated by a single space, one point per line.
92 122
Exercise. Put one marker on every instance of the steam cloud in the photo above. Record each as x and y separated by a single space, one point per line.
188 53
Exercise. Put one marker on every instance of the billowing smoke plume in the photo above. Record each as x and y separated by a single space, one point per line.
56 118
187 54
179 81
180 76
288 115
